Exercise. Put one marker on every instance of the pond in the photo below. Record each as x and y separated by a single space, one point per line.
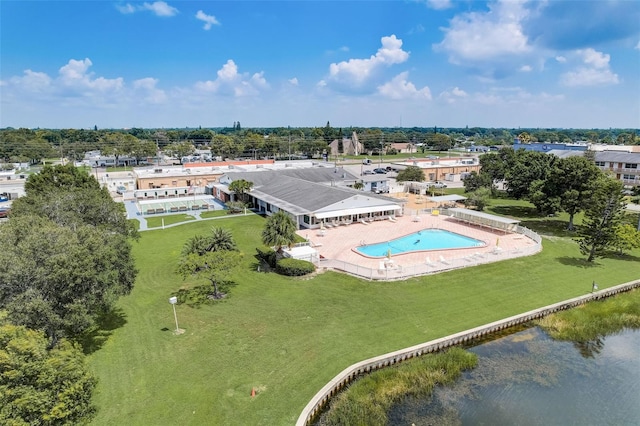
527 378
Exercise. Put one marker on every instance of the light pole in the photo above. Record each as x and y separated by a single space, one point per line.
173 301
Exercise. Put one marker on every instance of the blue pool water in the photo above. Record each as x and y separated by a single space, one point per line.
427 239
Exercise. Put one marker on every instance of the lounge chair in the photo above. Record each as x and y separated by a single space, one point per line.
443 260
428 262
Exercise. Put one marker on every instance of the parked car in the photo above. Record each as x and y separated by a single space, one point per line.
367 172
4 212
380 171
121 190
366 161
439 185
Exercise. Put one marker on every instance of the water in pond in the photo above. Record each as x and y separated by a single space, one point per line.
427 239
528 378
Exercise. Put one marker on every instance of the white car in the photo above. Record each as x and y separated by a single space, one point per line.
438 185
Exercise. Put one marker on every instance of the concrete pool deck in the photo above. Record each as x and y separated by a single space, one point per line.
337 244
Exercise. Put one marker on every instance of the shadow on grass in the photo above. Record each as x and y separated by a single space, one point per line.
553 227
106 323
203 294
580 262
515 211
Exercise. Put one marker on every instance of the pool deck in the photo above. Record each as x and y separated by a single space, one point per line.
338 243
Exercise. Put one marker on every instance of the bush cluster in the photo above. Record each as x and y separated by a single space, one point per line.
294 267
267 256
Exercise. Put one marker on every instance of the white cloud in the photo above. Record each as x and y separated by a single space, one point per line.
146 88
506 96
589 77
481 38
638 46
209 20
455 94
439 4
400 88
159 8
74 75
526 68
358 71
293 81
126 8
595 71
231 82
595 58
459 92
561 59
32 81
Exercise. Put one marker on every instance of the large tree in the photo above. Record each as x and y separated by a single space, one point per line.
118 144
214 266
599 228
71 197
42 386
59 279
212 257
525 168
52 178
569 187
279 231
475 180
410 174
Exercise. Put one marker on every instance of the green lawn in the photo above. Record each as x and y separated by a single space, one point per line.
170 219
287 337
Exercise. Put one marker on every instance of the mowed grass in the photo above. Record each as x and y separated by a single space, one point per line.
287 337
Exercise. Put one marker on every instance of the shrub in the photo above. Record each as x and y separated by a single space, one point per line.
267 256
294 267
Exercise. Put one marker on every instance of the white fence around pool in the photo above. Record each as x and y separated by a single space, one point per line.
399 272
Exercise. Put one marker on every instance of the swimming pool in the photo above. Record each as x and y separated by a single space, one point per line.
427 239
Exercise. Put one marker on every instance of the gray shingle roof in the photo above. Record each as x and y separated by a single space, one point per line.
618 156
303 191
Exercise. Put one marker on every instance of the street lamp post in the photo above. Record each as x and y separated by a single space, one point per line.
174 301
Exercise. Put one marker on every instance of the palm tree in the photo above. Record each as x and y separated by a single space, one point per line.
279 231
241 187
221 239
198 244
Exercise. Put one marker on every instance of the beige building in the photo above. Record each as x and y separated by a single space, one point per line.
172 179
444 169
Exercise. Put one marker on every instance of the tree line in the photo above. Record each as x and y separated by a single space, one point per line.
571 185
34 145
65 258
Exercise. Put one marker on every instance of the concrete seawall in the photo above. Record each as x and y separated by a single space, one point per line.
350 373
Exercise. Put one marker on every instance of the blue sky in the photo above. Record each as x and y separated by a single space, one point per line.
121 64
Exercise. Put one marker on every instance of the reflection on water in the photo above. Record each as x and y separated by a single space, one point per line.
530 379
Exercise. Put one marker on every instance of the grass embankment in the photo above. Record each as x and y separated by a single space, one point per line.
368 400
595 320
288 337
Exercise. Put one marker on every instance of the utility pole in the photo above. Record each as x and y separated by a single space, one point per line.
289 131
